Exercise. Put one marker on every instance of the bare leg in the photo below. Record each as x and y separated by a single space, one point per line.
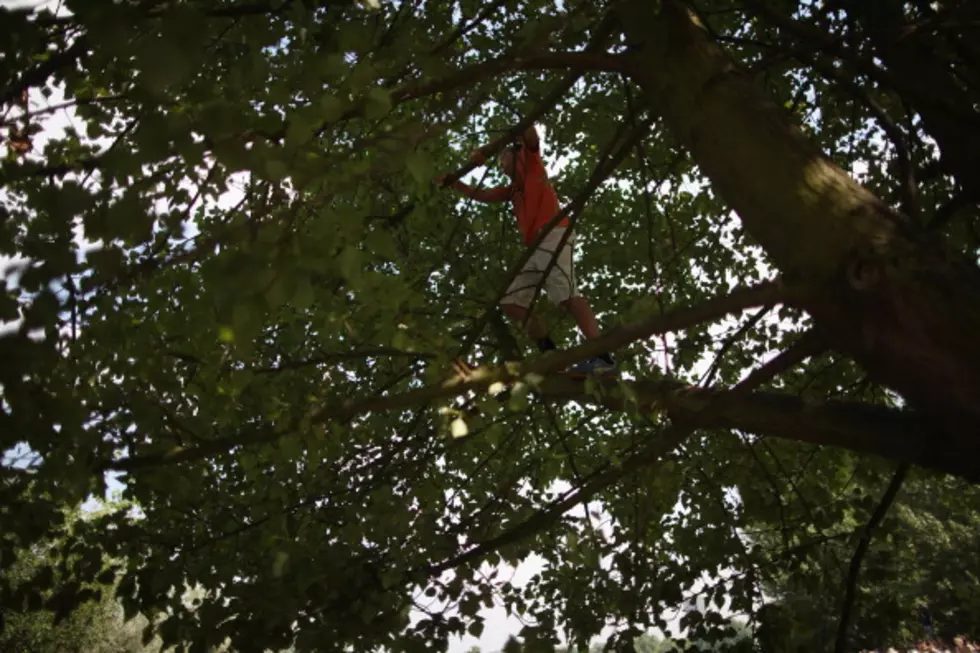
579 309
535 327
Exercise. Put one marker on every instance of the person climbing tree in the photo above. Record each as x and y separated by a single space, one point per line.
535 203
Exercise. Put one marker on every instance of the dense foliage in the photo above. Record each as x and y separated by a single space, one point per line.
234 288
92 621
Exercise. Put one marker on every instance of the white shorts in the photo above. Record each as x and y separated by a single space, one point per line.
560 284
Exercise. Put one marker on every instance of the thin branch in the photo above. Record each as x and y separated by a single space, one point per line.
852 577
463 29
32 169
594 483
233 11
68 104
948 211
809 344
39 74
907 186
333 357
817 38
709 376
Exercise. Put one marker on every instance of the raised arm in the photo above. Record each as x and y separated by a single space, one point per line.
488 195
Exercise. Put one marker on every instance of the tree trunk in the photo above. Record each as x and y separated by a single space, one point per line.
883 292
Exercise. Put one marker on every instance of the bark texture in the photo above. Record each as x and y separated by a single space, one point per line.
881 291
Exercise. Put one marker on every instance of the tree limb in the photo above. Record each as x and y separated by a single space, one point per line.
876 430
686 421
480 379
578 61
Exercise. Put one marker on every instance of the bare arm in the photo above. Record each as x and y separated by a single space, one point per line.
488 195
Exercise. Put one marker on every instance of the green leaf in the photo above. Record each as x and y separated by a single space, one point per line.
377 103
331 108
518 400
275 169
419 167
243 320
276 294
494 434
349 264
305 295
279 564
381 243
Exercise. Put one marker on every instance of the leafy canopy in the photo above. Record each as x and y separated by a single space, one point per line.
234 288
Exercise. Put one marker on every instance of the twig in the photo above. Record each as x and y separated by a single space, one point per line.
709 376
852 577
907 185
948 211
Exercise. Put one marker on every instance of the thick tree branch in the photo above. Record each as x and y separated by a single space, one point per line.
686 420
712 309
481 379
904 308
577 61
852 575
863 428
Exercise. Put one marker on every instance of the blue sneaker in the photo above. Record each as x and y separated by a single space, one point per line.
593 367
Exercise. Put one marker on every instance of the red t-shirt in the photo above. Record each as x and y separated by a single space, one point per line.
533 198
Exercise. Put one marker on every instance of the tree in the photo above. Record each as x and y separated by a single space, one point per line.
37 619
920 555
268 372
